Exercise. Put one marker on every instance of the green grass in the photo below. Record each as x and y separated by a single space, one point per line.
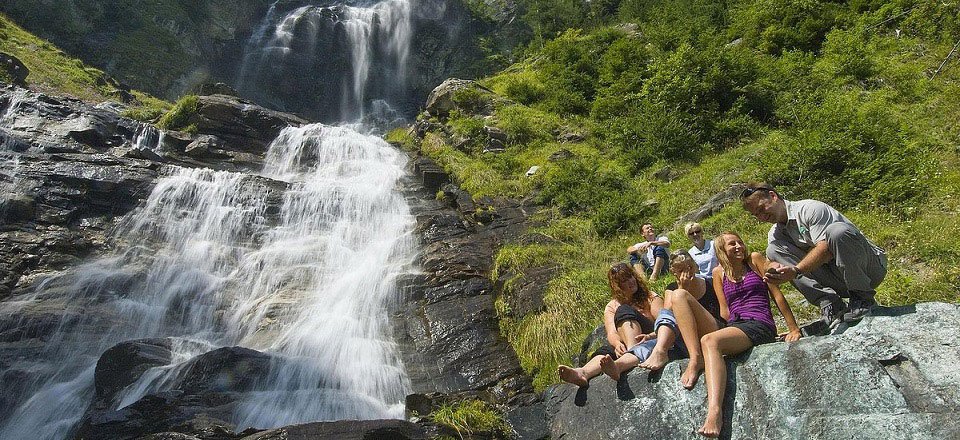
471 417
864 106
53 71
178 118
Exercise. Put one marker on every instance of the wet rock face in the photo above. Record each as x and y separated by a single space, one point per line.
448 328
199 400
124 363
240 123
62 189
345 430
887 377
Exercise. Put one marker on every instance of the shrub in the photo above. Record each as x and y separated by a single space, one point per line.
524 87
178 118
851 152
845 56
775 26
524 125
580 185
471 100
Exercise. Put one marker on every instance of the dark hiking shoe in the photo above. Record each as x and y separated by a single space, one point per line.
831 314
859 308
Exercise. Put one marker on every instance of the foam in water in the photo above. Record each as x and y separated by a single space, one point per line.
207 261
147 137
16 99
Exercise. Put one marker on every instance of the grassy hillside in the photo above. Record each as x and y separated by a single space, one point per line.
52 71
852 103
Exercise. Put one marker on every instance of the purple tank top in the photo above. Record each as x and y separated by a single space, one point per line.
749 299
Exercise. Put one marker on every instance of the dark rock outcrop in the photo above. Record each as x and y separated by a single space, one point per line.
447 328
124 363
13 70
242 124
200 399
886 377
345 430
712 206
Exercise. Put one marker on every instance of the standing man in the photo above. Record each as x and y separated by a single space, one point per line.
652 254
820 251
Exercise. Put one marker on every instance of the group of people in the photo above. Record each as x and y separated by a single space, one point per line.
719 303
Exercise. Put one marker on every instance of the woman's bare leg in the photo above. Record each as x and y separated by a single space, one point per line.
715 345
629 331
614 368
694 322
659 356
580 376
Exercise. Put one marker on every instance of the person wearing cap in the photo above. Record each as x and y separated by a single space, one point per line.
652 254
820 251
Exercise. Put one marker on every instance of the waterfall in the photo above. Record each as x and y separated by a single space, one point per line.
350 56
210 261
147 137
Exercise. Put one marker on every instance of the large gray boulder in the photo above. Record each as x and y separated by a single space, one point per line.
891 376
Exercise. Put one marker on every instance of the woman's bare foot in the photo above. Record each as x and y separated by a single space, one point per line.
711 426
572 375
689 377
609 367
657 359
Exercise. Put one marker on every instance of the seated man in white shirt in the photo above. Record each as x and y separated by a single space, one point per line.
651 254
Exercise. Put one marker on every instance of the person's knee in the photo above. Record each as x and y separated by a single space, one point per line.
678 295
709 341
840 232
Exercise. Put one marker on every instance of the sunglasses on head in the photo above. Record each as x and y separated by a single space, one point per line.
747 192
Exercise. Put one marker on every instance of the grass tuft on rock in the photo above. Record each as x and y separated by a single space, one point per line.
471 417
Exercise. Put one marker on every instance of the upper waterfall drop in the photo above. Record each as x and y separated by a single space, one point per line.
362 50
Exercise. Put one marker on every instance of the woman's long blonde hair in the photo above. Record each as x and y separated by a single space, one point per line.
640 298
724 260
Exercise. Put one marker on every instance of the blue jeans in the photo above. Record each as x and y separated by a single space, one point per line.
677 351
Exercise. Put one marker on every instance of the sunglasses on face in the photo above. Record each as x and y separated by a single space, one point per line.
695 232
747 192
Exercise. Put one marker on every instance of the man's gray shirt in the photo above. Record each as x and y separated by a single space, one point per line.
807 222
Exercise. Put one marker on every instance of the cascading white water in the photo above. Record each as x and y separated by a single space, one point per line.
13 106
393 19
376 34
147 137
310 285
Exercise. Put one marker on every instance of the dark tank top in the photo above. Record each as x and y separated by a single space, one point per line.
708 300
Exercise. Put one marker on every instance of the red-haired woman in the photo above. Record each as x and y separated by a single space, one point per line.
628 316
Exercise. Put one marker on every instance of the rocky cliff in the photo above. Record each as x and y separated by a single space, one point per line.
169 48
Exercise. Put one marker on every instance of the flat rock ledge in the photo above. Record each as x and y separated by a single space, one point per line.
893 375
